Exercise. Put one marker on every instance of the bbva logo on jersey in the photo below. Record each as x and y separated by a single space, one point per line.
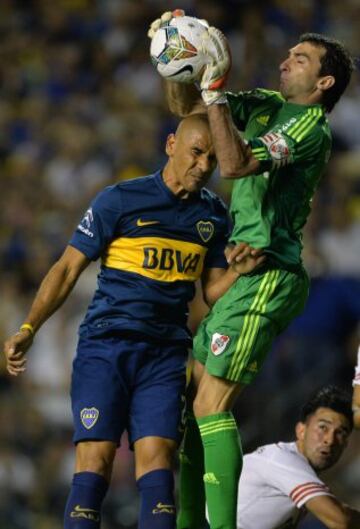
205 229
169 259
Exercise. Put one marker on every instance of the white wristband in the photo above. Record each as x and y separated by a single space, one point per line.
213 97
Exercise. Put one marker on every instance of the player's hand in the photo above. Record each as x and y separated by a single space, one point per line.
243 258
217 51
14 349
163 20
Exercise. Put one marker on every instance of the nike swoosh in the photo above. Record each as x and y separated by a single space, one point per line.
141 223
183 69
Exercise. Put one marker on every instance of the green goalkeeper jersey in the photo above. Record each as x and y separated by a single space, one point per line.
292 143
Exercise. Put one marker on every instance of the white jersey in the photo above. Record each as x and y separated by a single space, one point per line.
275 484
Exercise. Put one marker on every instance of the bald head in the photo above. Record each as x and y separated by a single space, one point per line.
198 122
191 155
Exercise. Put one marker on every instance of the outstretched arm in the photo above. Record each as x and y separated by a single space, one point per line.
356 405
333 514
53 291
183 99
235 158
356 393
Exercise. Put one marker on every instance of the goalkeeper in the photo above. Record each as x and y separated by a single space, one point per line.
276 168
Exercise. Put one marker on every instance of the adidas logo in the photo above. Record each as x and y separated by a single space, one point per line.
211 478
253 367
263 120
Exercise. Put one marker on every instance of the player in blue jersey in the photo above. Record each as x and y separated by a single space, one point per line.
155 236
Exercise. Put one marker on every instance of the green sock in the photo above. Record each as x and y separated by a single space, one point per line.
191 485
223 463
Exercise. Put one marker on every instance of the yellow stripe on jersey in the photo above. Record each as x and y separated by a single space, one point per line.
156 258
260 153
300 134
305 124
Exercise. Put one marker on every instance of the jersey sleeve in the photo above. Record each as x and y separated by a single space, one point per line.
97 227
290 473
306 139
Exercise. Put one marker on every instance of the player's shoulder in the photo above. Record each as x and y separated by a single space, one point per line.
109 195
258 95
284 454
125 188
263 93
213 200
138 183
116 196
309 123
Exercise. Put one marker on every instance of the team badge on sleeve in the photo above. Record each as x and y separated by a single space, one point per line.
277 147
89 416
219 343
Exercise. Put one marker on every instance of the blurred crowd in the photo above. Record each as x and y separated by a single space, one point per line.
81 107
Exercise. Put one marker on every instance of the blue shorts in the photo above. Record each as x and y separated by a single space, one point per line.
122 383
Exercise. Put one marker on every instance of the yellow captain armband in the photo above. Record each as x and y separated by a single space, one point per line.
28 327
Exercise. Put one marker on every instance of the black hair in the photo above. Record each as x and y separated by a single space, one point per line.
336 61
331 397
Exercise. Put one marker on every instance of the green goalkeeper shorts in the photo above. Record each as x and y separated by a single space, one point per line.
233 339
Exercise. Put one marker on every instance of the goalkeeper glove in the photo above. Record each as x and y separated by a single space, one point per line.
214 76
356 379
163 20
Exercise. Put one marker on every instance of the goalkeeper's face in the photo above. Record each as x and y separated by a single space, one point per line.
192 157
323 437
300 79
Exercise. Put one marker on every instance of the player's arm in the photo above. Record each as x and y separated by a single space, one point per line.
53 291
234 156
183 99
356 405
242 259
356 393
332 513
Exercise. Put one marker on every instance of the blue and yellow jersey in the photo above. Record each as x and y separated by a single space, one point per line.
153 247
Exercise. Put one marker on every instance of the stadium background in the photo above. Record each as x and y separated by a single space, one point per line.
80 108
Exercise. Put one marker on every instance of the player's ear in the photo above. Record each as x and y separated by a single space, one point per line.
326 82
300 430
170 144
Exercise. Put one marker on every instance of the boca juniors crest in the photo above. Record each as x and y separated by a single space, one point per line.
89 416
205 229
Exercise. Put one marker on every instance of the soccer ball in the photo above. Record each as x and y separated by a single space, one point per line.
175 49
